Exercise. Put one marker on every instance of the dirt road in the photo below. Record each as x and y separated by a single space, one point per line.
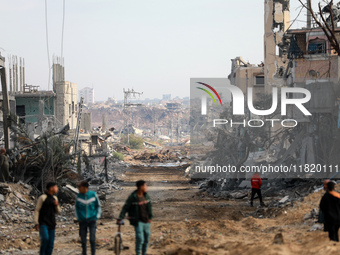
188 222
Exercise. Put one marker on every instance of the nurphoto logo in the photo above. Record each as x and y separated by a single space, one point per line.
238 100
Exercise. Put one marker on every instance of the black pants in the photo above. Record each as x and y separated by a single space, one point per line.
92 226
258 192
333 232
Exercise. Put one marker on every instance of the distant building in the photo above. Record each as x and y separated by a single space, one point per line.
173 106
88 95
112 100
167 97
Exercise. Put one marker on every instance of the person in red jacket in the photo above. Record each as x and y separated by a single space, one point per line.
256 183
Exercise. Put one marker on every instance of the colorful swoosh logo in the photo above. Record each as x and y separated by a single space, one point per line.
209 93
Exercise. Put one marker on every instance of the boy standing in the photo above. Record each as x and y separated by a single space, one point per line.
88 211
44 218
139 209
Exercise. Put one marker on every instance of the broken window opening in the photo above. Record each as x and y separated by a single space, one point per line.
259 80
317 46
277 27
297 47
21 113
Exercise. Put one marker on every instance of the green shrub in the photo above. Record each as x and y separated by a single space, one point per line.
118 155
135 142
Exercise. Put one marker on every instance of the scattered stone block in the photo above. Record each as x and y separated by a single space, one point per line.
278 239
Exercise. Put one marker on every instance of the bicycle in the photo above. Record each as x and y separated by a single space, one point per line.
119 240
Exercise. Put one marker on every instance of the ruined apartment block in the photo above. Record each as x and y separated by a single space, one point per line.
262 77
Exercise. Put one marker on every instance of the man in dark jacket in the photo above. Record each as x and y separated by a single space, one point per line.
330 206
139 209
256 184
44 218
321 218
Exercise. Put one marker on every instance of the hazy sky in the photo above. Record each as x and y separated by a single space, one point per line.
153 46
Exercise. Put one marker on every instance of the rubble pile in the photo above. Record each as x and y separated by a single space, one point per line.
103 179
161 156
278 194
17 203
16 216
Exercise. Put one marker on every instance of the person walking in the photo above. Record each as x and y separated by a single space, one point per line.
44 218
330 206
321 218
139 209
4 166
88 211
256 184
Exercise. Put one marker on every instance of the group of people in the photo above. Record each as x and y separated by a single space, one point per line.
329 211
138 206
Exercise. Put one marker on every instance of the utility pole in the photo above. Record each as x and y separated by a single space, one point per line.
171 132
309 15
105 167
128 95
10 74
178 129
154 123
5 103
76 135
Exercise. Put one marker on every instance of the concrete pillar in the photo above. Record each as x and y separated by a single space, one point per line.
276 22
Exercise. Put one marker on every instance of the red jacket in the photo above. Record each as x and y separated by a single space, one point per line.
256 181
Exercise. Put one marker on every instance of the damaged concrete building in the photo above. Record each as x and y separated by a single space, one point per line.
276 23
314 65
244 75
58 106
299 57
40 110
268 74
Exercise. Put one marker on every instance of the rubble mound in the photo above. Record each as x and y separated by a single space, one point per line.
160 156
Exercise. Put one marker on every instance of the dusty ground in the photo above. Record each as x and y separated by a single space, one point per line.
188 222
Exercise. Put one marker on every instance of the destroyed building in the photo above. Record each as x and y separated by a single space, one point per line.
58 105
299 57
244 75
313 65
268 74
276 23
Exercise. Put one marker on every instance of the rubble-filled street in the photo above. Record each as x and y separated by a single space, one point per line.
187 220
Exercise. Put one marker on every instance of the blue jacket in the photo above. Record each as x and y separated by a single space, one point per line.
88 206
